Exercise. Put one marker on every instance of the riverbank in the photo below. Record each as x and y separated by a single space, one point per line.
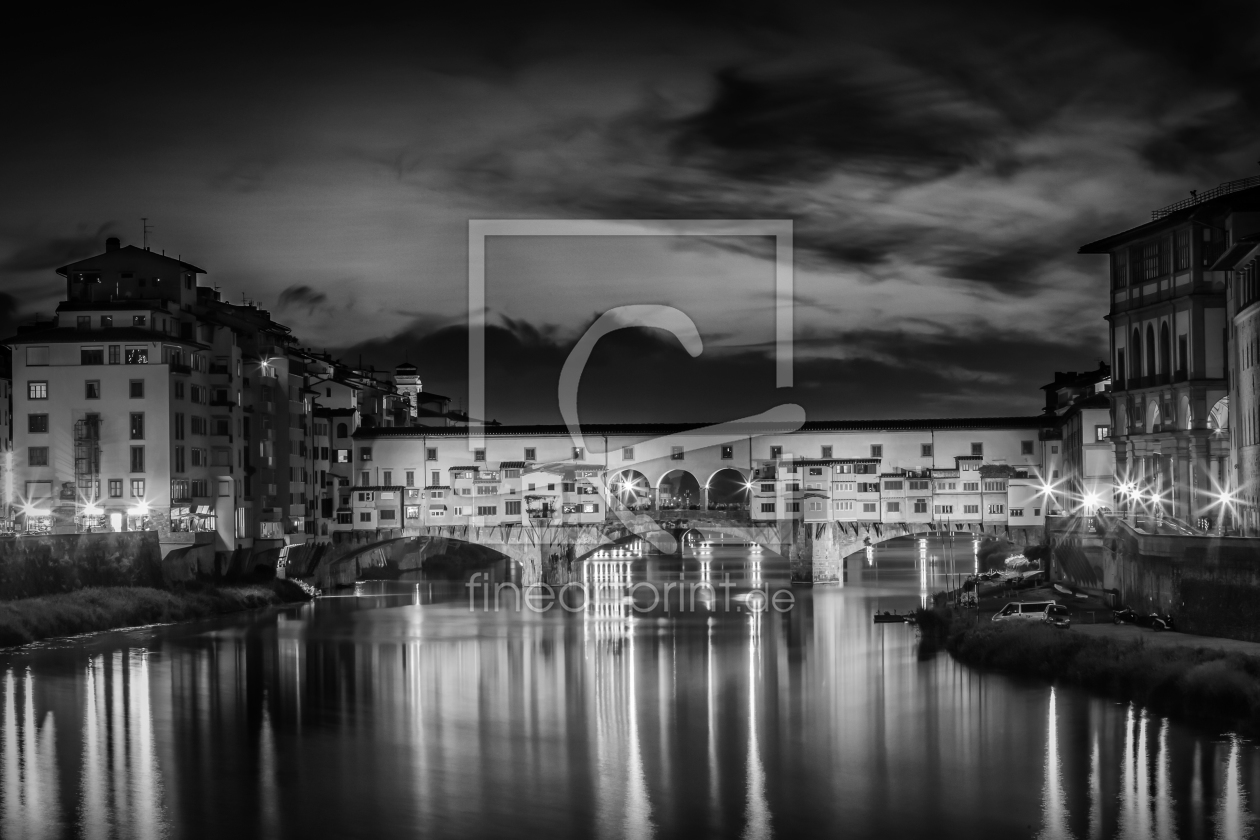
1198 684
93 609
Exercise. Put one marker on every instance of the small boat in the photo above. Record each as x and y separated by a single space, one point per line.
889 618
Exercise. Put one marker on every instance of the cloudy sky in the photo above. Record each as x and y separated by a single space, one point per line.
941 163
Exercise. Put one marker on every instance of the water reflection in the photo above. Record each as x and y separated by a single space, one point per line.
416 717
29 798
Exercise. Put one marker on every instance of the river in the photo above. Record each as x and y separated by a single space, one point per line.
399 711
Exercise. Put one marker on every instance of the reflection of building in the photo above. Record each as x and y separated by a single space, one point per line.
1170 345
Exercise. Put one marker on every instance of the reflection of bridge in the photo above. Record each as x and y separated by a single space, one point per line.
549 554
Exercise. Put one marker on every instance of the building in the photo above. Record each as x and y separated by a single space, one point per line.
1084 481
1171 344
960 473
150 403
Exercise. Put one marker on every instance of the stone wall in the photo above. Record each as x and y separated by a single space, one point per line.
49 564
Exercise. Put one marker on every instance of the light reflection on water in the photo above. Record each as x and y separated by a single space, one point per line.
412 716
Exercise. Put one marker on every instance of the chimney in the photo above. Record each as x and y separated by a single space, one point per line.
112 244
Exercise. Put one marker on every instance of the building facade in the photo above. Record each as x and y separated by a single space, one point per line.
1171 340
150 403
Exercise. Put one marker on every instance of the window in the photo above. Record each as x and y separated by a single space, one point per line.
198 425
1017 511
136 390
867 487
37 456
997 508
512 508
920 505
37 390
365 516
115 488
430 453
387 478
627 453
365 478
977 450
199 458
92 389
365 453
767 507
1054 449
487 510
675 453
776 452
1102 433
894 507
577 453
1036 511
530 453
877 450
197 394
179 459
792 487
1054 474
943 508
137 459
435 477
868 507
137 488
892 484
767 488
826 452
84 322
92 355
728 453
815 470
946 485
971 486
138 320
388 514
37 424
994 486
36 356
479 454
137 426
137 355
1025 447
409 478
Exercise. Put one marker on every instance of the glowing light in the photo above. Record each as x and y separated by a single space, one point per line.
141 509
92 510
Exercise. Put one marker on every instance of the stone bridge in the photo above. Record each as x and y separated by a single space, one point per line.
548 553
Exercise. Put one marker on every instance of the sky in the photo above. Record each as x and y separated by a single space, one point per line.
940 163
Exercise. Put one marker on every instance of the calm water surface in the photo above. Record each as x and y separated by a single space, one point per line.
401 713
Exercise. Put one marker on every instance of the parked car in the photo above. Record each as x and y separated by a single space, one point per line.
1027 611
1057 615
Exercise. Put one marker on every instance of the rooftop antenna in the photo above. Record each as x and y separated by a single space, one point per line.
145 227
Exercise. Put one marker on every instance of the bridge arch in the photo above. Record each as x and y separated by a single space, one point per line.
680 489
727 487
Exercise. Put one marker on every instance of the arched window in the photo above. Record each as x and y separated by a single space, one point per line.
1136 360
1150 350
1165 350
341 430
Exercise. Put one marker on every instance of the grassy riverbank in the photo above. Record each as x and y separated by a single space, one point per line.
109 608
1197 684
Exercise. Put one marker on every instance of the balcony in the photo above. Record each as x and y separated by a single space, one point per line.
177 367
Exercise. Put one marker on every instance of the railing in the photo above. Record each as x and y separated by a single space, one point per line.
1207 195
177 367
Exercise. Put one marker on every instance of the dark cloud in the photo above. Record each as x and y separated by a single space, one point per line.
301 297
769 128
55 251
